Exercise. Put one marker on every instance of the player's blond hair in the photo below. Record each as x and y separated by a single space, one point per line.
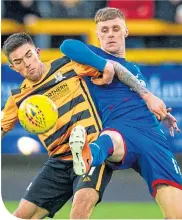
108 13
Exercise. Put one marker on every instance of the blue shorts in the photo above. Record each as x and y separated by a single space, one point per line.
148 153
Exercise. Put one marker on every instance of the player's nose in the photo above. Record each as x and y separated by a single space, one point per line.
110 34
27 64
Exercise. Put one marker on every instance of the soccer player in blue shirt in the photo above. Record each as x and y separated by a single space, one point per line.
132 136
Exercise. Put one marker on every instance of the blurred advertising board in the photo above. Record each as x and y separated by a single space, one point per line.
164 81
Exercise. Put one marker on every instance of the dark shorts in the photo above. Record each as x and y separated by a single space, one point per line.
56 183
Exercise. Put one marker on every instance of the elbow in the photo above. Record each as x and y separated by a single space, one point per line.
67 46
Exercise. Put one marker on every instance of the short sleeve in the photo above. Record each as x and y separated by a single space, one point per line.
84 70
9 115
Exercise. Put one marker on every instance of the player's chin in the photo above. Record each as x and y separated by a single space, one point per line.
34 77
112 49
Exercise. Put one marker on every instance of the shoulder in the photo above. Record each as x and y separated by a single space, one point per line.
132 67
22 86
57 63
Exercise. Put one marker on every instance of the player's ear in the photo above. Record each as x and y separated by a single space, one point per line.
96 33
38 51
12 67
126 32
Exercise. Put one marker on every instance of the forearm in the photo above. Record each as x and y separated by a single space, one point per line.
129 79
154 104
79 52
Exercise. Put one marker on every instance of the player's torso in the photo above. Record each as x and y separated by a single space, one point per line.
117 100
75 106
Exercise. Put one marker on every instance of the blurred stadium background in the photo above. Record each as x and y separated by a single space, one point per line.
155 43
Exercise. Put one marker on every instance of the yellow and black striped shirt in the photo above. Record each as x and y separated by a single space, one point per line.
62 83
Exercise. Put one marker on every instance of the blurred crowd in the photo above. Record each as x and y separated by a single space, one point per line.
28 11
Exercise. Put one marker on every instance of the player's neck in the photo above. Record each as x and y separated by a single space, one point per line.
120 54
43 68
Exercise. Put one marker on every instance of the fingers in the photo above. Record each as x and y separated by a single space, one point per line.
156 105
172 118
171 122
163 108
156 113
108 73
159 109
106 79
176 127
160 113
172 128
169 110
98 82
171 131
158 116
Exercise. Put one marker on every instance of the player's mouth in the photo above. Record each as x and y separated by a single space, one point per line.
31 71
112 42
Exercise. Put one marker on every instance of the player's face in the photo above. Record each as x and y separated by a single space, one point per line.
112 34
25 60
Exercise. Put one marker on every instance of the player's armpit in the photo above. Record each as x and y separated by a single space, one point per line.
9 115
84 70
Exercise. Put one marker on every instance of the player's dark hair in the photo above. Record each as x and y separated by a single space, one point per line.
14 41
108 13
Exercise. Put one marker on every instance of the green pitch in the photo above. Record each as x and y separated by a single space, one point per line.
110 210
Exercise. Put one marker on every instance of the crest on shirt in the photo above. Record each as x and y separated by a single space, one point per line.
59 77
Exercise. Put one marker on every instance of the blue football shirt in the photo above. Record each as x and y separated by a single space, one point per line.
117 100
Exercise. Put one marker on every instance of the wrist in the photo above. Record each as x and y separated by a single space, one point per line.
146 96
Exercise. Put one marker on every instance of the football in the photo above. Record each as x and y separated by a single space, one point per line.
37 114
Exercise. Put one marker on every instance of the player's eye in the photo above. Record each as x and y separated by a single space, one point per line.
29 55
116 29
18 62
104 30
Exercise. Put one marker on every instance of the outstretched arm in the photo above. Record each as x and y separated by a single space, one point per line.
156 105
80 53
